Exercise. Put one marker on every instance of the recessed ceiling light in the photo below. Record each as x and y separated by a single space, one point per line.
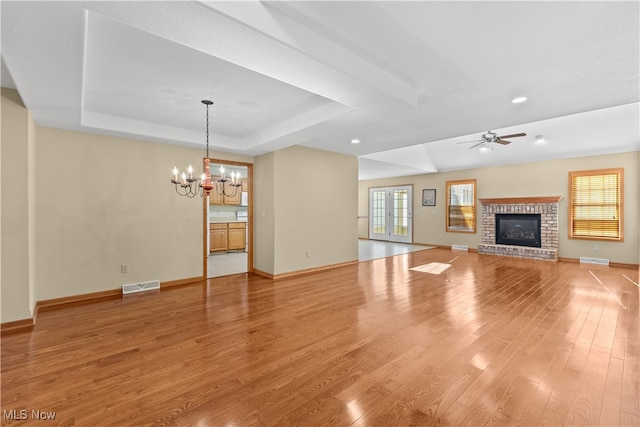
519 99
484 148
355 141
540 139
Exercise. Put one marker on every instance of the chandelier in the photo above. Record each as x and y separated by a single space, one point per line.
186 184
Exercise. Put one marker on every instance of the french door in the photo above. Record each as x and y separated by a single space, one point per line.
390 214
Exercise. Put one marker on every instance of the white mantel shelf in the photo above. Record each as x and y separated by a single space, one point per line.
518 200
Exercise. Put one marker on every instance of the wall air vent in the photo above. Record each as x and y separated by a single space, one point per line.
140 287
460 248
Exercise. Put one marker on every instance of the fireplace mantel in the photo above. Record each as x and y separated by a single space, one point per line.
516 200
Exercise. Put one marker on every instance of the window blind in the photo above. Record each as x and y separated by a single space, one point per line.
595 205
461 217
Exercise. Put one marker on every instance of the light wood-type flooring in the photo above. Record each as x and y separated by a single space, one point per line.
465 339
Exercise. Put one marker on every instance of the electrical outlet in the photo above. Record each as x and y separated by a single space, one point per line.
596 248
308 253
124 268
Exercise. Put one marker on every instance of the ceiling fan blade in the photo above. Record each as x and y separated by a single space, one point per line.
474 146
469 142
515 135
502 141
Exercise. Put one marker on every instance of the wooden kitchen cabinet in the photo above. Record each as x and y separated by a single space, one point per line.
218 237
215 198
234 191
245 184
237 234
227 236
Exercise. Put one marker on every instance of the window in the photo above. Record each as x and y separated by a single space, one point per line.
400 213
595 204
461 206
379 212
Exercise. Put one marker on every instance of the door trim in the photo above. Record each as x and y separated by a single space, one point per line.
205 219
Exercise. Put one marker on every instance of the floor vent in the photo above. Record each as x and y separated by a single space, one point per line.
140 287
588 260
460 248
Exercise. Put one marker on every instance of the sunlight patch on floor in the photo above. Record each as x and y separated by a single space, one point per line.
432 267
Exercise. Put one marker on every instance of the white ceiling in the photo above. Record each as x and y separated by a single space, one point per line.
409 79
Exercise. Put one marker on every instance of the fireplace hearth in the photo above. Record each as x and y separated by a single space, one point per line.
518 230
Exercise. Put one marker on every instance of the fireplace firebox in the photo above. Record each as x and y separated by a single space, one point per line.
518 230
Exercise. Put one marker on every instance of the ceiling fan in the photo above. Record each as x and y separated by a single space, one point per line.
491 137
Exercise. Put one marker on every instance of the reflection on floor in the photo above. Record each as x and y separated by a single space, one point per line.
373 249
224 264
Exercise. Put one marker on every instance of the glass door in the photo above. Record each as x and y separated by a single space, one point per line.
390 215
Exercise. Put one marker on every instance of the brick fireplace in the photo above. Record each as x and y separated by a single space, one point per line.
546 207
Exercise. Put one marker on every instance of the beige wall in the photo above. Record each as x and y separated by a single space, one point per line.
264 213
31 174
528 179
123 210
17 218
311 206
103 202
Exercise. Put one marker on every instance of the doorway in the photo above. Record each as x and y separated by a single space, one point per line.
390 214
228 237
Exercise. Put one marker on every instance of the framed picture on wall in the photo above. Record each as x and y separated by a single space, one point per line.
429 197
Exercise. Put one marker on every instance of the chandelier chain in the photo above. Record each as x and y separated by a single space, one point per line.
207 129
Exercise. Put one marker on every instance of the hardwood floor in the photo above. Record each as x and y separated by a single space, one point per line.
487 341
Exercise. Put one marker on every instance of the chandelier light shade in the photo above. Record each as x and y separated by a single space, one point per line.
186 184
